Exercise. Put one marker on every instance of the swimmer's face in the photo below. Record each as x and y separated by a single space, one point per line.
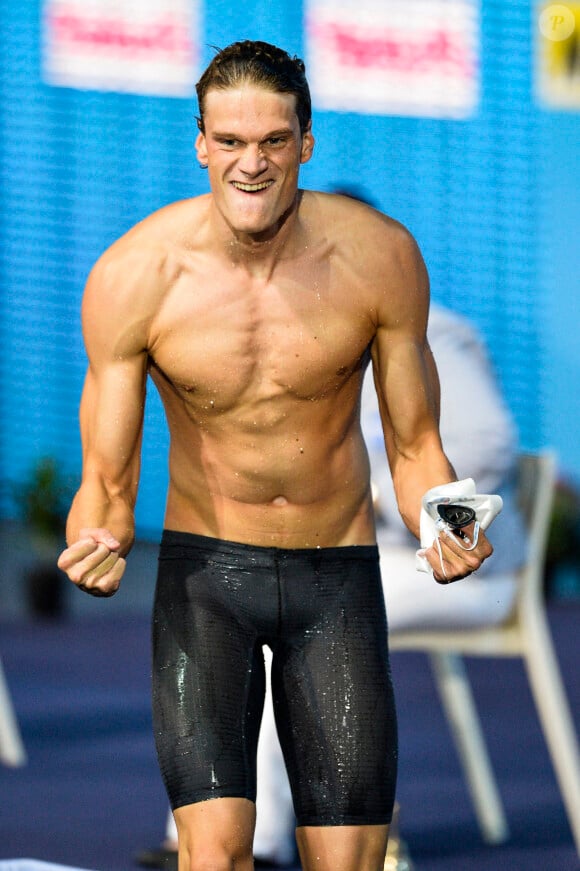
253 148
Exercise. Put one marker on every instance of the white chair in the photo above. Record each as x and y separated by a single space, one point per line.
11 746
525 634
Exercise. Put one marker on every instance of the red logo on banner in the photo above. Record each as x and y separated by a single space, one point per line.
420 53
138 46
165 34
384 56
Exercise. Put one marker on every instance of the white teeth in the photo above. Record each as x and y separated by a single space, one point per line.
250 188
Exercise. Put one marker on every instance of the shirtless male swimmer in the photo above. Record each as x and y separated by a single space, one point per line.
255 309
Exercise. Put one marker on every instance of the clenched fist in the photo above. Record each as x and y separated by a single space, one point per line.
93 562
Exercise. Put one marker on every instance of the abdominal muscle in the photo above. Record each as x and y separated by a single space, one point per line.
271 490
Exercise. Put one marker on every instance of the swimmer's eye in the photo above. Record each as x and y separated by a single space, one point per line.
228 143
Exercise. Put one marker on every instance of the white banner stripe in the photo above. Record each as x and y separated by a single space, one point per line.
416 58
144 47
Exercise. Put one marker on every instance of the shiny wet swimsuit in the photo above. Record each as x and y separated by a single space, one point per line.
322 613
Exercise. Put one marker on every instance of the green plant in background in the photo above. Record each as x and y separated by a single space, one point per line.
44 498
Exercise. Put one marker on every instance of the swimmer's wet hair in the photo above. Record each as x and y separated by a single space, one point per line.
257 63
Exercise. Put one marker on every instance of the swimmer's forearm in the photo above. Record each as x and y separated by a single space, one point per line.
412 477
92 509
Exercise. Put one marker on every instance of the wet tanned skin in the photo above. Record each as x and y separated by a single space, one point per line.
255 309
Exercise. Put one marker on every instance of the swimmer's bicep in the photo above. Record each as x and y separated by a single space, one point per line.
403 366
113 399
114 323
112 405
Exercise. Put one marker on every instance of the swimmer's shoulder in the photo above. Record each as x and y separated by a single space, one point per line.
351 220
168 231
369 245
143 263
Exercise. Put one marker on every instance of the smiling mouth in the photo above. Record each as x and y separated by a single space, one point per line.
252 188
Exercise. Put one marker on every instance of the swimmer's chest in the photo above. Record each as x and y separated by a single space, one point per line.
286 337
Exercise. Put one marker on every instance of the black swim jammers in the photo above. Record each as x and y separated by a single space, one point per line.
322 613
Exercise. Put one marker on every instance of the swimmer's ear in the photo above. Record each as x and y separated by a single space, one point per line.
307 146
201 149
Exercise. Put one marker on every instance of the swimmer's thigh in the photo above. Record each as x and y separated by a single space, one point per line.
208 686
333 700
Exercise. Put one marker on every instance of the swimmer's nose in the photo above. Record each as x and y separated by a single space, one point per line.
252 162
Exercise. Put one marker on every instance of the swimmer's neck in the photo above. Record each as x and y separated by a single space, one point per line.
259 253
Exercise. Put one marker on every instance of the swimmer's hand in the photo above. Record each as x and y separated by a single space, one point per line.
93 562
451 556
452 523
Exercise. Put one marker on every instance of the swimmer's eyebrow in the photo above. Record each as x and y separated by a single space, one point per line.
273 134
